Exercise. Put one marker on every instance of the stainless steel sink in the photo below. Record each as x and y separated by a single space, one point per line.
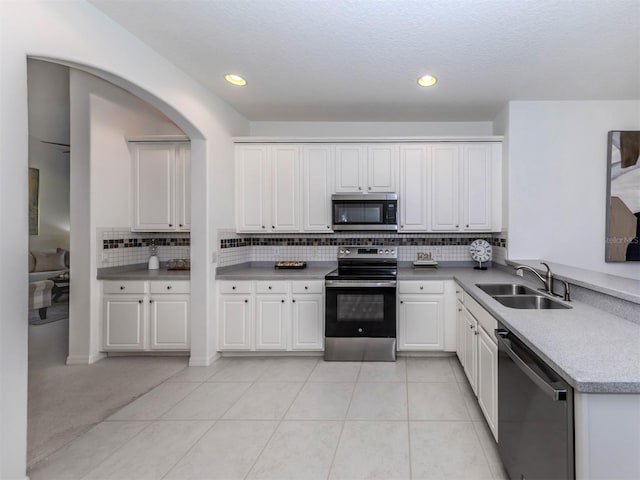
529 302
505 289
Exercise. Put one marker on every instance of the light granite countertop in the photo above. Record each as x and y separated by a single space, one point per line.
594 351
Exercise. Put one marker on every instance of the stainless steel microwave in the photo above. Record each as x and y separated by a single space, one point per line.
365 212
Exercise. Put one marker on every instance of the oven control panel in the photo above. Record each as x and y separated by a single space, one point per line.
370 252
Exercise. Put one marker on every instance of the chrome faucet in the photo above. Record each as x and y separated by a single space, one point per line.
547 280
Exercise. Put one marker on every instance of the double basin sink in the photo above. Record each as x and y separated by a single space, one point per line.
520 296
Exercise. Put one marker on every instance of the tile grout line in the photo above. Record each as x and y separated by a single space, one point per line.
190 447
344 422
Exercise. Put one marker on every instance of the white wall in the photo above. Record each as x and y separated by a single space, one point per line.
557 180
48 86
76 34
501 127
370 129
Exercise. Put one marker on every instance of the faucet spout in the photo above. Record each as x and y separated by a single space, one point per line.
547 280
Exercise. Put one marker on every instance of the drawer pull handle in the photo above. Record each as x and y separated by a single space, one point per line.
168 287
121 287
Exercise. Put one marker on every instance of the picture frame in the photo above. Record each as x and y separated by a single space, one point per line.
622 242
34 201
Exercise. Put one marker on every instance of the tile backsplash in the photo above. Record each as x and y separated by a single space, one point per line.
119 246
239 248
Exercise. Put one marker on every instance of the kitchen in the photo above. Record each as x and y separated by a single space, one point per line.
535 144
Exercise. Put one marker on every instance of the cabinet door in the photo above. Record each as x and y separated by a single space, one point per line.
183 187
317 186
153 186
285 188
307 322
123 323
382 165
471 350
350 168
488 379
445 181
252 186
169 322
412 196
476 187
421 323
234 322
272 318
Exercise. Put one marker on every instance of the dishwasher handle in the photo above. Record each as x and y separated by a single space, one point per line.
556 394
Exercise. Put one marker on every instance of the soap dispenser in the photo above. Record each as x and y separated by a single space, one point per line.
154 263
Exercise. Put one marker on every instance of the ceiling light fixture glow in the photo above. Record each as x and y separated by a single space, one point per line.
427 81
234 79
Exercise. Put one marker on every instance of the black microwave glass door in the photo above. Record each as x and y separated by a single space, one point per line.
358 213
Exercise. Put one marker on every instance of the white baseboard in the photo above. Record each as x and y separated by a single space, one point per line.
85 359
203 361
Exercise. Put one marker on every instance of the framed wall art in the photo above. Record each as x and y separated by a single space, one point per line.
623 197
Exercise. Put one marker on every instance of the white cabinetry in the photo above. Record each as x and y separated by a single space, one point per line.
286 316
445 179
425 322
317 185
161 186
366 168
143 316
478 353
268 188
412 198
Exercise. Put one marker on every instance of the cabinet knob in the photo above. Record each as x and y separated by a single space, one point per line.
262 226
233 288
471 327
459 309
475 333
293 301
151 301
269 287
401 226
369 188
180 225
401 301
139 301
457 226
458 291
421 287
306 288
328 226
171 224
359 188
121 287
467 226
272 226
246 301
281 301
168 287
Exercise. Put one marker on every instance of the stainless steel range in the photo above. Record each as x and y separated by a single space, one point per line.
360 313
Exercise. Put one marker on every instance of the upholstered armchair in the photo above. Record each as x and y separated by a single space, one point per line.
40 296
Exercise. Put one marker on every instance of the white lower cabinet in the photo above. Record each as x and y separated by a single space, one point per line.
136 318
477 350
276 316
425 317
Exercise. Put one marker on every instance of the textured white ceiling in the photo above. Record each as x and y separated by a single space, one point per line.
346 60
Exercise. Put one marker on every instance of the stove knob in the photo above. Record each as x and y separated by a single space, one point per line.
347 251
341 251
386 252
380 252
393 252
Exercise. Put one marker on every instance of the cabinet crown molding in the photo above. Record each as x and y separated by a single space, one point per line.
495 138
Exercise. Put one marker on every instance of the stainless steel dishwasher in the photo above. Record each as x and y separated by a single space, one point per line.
535 414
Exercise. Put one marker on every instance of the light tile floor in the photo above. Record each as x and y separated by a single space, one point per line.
292 418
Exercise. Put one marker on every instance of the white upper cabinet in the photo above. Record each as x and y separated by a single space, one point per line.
161 186
445 180
366 168
351 169
317 185
476 187
253 204
285 188
412 194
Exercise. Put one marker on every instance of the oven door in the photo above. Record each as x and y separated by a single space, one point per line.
360 308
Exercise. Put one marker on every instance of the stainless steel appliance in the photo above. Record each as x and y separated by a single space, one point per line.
360 313
535 414
363 212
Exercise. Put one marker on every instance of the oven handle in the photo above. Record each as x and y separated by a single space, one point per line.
358 284
556 394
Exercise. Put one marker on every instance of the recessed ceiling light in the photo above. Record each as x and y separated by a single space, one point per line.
234 79
427 81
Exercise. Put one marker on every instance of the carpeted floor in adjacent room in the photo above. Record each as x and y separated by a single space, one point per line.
67 400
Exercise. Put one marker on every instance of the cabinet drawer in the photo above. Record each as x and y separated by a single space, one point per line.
235 287
170 287
421 287
127 286
314 286
272 287
484 318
